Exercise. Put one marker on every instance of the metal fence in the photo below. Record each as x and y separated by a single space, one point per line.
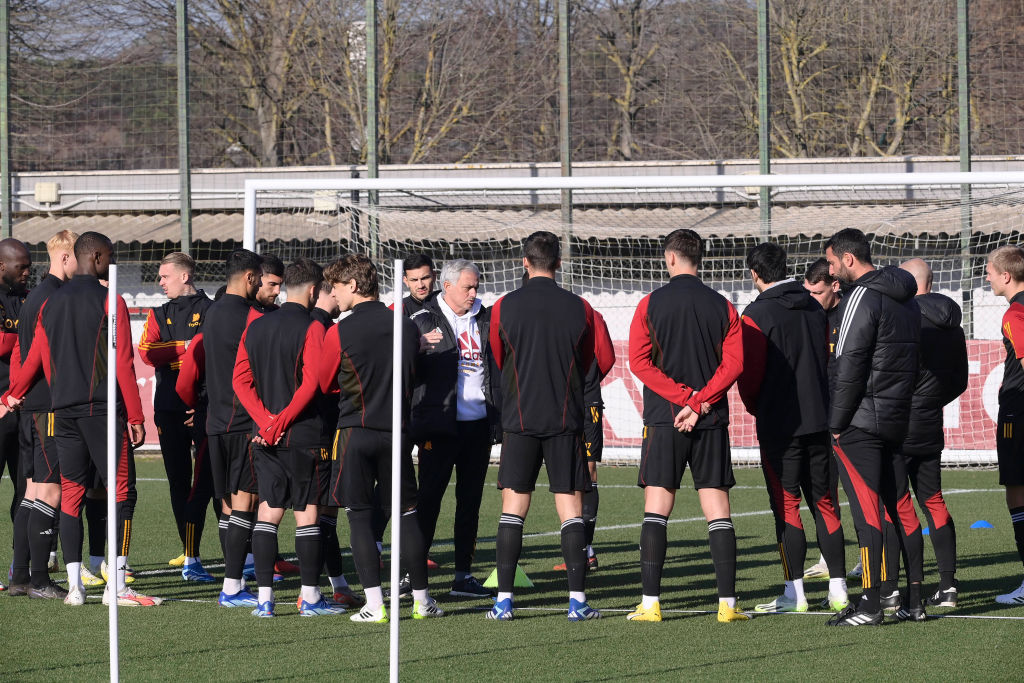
137 85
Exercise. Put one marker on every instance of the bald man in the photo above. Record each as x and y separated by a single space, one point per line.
941 378
15 264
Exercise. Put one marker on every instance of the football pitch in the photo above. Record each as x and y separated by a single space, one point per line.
191 638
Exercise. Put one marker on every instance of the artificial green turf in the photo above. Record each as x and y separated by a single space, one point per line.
200 641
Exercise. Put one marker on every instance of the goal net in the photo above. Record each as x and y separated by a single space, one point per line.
612 230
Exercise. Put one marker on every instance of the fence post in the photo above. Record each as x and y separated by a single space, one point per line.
764 132
6 224
184 168
966 217
564 136
371 122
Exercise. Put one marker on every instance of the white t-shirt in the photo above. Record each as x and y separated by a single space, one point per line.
470 403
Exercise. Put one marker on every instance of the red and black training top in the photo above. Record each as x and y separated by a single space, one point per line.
327 404
70 346
37 400
10 313
542 340
784 383
276 378
686 346
212 356
1011 391
357 359
603 350
162 346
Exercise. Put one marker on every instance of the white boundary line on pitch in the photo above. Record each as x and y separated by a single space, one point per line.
543 534
763 614
666 611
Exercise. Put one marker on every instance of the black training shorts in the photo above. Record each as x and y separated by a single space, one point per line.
666 452
45 467
593 433
363 459
287 476
563 455
1010 449
231 464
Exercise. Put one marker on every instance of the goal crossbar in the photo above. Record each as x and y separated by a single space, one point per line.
816 180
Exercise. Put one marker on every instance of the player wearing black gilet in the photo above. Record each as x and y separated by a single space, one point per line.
70 347
211 356
542 340
685 345
275 377
15 264
166 335
784 386
357 360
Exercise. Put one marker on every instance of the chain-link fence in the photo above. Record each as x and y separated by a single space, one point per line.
283 82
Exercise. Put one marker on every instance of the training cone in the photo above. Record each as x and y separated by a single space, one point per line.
924 531
982 524
522 580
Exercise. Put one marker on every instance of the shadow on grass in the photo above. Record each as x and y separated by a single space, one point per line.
705 667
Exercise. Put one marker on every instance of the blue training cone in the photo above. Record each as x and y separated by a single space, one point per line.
982 524
925 531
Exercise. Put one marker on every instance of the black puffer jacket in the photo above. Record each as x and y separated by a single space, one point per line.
876 356
942 375
435 395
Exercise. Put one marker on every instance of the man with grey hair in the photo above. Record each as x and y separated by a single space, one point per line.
455 416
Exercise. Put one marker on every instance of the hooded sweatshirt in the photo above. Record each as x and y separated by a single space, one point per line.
784 382
942 375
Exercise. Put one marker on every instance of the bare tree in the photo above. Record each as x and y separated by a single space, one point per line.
623 32
253 43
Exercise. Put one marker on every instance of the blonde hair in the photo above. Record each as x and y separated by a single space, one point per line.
62 241
1009 259
181 260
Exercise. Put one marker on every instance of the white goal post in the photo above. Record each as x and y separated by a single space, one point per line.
952 220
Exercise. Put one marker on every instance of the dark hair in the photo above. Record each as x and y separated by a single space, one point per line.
686 243
414 261
242 261
354 267
851 241
818 272
91 242
768 261
272 265
303 272
543 250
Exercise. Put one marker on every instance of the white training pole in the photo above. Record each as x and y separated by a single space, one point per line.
249 220
112 453
396 464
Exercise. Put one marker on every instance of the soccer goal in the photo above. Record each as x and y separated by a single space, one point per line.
612 252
